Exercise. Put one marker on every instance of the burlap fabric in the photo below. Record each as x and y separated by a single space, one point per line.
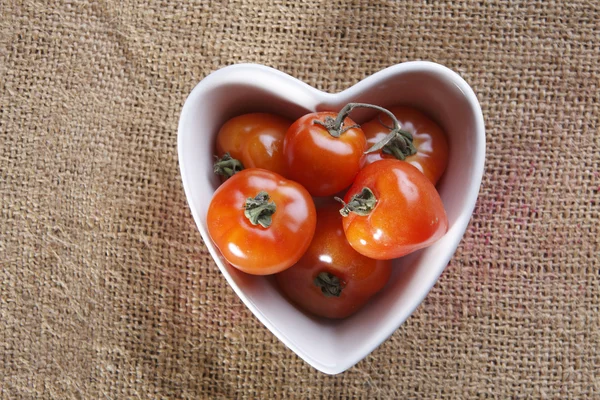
106 288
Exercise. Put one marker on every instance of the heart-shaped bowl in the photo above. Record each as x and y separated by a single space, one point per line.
334 346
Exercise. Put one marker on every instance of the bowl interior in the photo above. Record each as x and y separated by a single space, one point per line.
333 346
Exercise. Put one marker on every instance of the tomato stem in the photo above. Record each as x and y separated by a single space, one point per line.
400 145
335 127
227 166
361 203
330 285
259 210
398 142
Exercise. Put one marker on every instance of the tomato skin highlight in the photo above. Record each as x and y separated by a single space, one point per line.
329 251
428 137
252 248
409 213
323 164
256 140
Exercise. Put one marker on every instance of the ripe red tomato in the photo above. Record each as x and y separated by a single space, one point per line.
256 140
261 222
391 210
322 163
428 138
331 279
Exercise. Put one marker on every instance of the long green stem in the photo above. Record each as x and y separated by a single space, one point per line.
398 142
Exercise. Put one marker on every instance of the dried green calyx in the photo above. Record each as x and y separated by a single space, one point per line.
361 203
330 285
227 166
259 209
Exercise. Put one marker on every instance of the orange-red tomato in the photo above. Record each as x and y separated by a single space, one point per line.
405 214
331 279
288 228
428 138
256 140
322 163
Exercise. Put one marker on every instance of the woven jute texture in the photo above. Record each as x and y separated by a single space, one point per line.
107 290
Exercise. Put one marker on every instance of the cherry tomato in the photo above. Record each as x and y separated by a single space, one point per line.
391 210
331 279
261 222
322 163
428 138
256 140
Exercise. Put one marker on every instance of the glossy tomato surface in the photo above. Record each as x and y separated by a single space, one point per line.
359 277
428 137
322 163
408 214
256 140
253 248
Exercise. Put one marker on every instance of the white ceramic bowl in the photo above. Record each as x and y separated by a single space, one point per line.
334 346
